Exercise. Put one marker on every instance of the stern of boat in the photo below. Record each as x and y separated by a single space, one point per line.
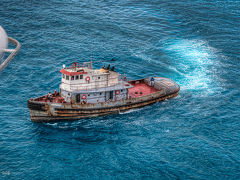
170 87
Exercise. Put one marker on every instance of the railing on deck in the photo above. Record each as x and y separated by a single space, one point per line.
95 85
79 65
13 52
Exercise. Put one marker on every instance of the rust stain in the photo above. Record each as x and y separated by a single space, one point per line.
87 110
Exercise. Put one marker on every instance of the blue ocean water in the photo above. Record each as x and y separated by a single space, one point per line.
194 136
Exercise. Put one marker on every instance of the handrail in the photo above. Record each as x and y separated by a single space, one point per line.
95 86
13 52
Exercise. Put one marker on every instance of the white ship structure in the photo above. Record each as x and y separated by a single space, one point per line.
4 42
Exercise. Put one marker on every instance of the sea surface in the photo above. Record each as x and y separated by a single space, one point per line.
193 136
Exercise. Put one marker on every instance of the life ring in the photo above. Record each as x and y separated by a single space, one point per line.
87 78
84 96
117 92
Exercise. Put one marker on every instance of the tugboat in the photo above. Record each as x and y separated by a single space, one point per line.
86 92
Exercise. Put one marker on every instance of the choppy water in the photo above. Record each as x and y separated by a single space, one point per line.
196 135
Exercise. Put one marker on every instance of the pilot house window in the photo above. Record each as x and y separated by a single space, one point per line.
72 77
81 76
67 77
77 77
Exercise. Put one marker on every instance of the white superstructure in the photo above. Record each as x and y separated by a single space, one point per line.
3 42
87 85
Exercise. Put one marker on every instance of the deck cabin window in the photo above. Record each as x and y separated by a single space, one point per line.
111 95
63 76
72 77
99 77
67 77
81 76
77 77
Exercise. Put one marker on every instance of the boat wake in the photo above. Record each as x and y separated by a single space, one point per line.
194 61
131 111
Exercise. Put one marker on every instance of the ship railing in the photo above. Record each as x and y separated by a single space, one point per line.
96 86
80 65
13 52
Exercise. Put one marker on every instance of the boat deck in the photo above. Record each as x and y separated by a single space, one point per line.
140 89
56 98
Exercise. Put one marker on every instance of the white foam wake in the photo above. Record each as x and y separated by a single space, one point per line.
193 59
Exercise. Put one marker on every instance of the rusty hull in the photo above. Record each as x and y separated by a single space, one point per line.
52 112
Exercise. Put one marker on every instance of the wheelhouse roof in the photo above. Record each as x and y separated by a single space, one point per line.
72 73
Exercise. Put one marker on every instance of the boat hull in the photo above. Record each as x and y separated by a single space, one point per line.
52 112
